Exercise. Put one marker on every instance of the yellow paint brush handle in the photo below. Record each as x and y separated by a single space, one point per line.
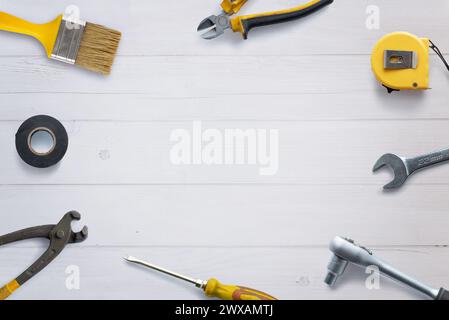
8 289
45 33
229 292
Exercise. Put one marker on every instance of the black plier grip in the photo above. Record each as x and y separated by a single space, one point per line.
244 24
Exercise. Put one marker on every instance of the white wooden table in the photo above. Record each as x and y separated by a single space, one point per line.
310 80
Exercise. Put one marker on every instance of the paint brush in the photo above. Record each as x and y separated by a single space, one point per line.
88 45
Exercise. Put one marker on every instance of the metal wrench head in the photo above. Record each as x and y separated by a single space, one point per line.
214 26
345 251
399 167
335 269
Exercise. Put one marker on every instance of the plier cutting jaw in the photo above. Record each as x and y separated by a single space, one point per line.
214 26
59 235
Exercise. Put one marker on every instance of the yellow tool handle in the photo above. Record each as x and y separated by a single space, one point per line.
45 33
232 6
244 24
229 292
8 289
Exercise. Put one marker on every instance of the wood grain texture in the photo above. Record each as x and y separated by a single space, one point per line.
169 28
193 76
174 88
310 80
287 273
257 215
310 153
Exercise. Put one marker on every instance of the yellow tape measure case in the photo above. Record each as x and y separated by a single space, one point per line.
400 61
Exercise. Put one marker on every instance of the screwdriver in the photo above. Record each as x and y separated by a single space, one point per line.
212 287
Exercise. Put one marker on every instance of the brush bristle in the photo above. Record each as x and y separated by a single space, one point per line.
98 48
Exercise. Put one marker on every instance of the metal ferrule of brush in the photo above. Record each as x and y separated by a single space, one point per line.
68 41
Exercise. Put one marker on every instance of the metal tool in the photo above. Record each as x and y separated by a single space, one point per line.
59 235
215 25
346 251
211 287
403 167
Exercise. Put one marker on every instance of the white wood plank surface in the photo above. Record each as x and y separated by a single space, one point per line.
287 273
136 214
310 80
312 153
169 28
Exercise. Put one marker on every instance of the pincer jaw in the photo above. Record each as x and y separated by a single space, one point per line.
398 166
80 236
74 215
214 26
77 237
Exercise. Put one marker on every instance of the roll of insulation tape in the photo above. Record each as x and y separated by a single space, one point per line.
53 152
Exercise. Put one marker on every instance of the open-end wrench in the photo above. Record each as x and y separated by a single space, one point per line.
345 251
404 167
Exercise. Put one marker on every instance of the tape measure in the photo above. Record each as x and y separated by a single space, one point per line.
400 61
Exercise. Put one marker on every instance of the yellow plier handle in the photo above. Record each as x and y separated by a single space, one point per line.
8 289
232 6
244 24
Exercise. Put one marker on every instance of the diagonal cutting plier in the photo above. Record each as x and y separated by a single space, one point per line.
59 235
214 26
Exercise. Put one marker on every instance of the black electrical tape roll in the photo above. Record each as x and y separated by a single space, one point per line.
49 125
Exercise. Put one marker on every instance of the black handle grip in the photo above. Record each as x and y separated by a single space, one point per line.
260 21
443 294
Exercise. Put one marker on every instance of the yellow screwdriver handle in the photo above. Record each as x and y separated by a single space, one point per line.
45 33
229 292
8 289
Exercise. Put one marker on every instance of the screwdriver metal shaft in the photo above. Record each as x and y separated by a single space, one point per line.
197 282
